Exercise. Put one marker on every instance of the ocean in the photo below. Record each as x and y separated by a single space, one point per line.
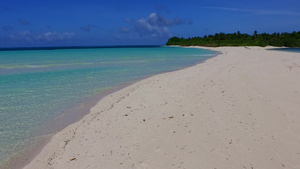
295 50
37 86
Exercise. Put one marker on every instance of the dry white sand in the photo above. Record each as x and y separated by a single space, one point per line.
239 110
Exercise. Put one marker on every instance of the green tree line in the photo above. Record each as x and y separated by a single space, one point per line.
239 39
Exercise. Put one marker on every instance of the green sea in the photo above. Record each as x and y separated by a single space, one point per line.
38 85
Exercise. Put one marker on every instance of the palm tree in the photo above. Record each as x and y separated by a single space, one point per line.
255 34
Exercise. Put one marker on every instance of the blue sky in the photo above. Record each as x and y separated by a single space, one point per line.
29 23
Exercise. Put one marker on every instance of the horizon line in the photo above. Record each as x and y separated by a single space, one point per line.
74 47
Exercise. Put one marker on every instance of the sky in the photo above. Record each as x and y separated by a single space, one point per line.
40 23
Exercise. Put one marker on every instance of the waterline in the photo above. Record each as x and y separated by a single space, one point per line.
37 86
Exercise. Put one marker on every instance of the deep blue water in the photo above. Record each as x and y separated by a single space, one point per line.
37 85
296 50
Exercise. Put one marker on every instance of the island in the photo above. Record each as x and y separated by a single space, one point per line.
240 39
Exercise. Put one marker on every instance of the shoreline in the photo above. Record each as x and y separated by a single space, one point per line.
127 120
23 158
230 109
20 160
68 117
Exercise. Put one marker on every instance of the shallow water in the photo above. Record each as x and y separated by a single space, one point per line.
36 86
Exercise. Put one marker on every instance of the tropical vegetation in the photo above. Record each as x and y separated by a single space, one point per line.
239 39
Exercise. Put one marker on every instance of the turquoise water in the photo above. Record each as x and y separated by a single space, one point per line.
36 86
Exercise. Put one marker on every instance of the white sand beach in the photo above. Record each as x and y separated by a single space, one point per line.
239 110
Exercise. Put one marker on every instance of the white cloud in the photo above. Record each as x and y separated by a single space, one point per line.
155 25
48 36
22 35
54 36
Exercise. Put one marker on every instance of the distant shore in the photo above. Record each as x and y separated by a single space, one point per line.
236 110
240 39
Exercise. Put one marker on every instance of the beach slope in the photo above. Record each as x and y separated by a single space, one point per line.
239 110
